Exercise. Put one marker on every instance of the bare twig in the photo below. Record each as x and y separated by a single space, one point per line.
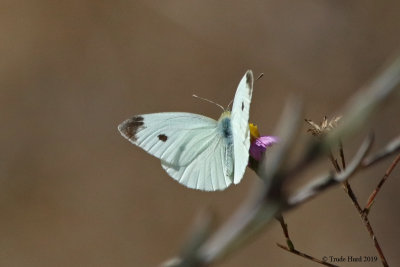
349 191
342 154
321 184
298 253
376 243
380 184
334 162
290 247
346 185
391 148
285 231
360 211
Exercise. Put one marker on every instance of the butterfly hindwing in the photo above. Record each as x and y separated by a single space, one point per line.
211 170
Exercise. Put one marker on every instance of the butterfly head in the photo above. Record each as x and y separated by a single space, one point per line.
225 114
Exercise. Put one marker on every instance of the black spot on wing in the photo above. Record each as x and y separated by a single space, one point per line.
131 126
242 105
163 137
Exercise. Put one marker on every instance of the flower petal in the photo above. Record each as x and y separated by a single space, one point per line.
258 147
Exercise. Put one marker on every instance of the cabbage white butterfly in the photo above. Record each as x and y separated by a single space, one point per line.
197 151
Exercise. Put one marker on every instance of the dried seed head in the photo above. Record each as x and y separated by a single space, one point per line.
324 127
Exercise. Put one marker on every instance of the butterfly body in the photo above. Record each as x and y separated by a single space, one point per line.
225 127
197 151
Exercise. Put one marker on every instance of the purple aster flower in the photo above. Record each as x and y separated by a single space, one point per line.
260 144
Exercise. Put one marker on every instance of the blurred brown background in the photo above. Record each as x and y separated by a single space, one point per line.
73 192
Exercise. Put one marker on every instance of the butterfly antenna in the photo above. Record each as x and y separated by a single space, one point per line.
230 103
205 99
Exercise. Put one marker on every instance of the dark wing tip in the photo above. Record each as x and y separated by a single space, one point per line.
130 127
249 77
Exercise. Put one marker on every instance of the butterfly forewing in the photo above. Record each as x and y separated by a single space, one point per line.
240 124
174 137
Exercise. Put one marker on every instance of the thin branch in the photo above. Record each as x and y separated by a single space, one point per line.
391 148
373 237
290 246
298 253
321 184
334 162
346 186
365 212
366 222
349 191
361 212
342 154
380 184
285 231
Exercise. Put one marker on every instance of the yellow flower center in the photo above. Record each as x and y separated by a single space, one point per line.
254 134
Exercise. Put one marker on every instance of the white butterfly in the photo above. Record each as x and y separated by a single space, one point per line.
195 150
